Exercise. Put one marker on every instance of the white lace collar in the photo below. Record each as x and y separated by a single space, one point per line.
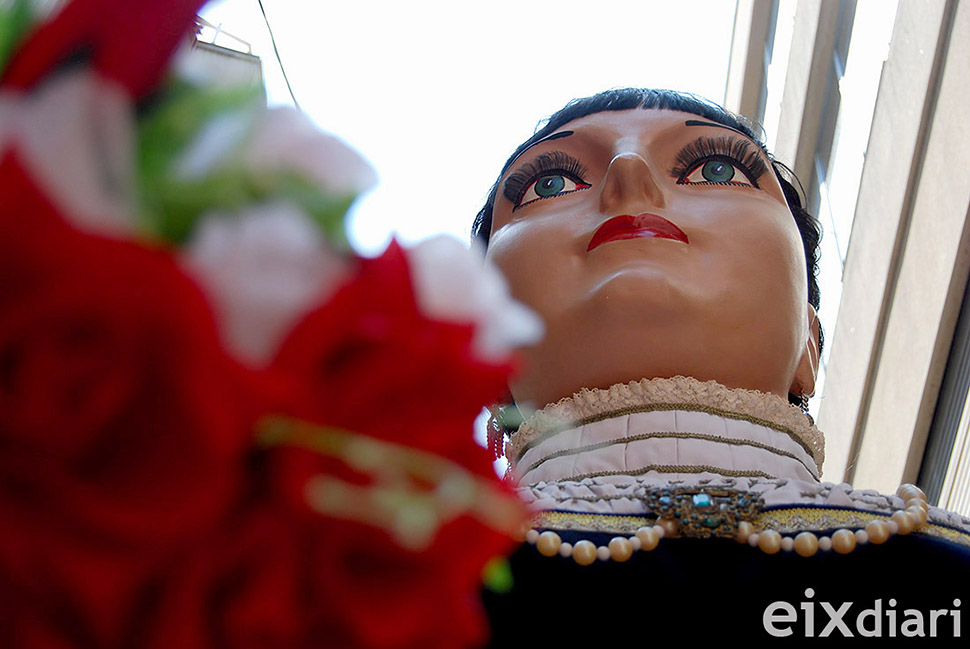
678 393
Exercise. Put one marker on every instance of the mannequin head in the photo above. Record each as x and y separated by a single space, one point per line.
656 237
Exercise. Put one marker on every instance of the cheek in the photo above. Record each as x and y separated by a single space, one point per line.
792 259
759 260
779 272
539 258
524 258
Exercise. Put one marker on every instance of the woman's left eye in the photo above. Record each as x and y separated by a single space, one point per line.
549 186
716 172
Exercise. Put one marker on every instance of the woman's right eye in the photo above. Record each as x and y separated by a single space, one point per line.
551 174
550 186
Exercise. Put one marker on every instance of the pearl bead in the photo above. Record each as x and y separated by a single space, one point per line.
843 541
769 541
548 544
806 544
916 502
919 514
878 532
620 549
904 521
669 526
907 491
745 529
648 538
584 553
914 519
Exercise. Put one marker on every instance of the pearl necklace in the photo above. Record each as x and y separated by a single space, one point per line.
805 544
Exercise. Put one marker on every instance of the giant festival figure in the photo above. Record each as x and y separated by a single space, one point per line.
661 434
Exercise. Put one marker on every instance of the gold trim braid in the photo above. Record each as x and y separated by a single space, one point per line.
789 521
670 435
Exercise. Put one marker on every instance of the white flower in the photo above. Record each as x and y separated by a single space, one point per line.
452 283
285 138
276 139
263 269
75 135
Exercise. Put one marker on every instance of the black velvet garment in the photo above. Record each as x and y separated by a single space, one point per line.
715 592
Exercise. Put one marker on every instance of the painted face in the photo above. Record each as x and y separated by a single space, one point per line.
653 243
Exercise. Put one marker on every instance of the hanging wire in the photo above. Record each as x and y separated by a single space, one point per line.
278 59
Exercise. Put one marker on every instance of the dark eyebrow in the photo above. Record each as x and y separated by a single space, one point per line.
554 136
697 122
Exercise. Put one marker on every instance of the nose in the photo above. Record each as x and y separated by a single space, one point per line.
630 185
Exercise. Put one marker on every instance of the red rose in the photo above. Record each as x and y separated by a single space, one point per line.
381 596
121 426
369 361
129 44
245 586
269 580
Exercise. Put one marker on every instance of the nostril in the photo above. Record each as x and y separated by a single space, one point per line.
630 180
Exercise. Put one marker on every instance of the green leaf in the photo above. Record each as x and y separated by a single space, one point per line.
16 21
327 210
497 575
176 116
171 206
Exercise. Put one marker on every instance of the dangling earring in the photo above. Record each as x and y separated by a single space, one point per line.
502 421
803 404
496 434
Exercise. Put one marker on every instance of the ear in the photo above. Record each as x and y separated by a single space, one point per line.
804 381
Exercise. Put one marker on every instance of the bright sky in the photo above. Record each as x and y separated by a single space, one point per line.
436 94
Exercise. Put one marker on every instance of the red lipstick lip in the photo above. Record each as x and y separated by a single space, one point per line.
636 227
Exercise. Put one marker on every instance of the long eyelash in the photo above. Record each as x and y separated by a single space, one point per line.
554 161
739 151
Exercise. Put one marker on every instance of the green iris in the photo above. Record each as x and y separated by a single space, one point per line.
716 171
550 185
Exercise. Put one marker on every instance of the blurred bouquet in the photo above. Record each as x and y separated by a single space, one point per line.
218 427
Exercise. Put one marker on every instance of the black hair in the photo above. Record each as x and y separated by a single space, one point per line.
648 98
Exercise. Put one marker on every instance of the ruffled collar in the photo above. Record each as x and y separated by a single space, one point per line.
679 393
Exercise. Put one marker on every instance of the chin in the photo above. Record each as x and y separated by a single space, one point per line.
635 283
629 303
